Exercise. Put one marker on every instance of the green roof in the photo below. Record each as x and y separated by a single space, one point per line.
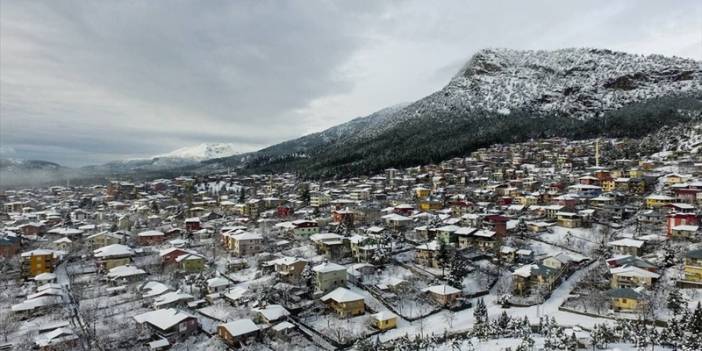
694 254
627 293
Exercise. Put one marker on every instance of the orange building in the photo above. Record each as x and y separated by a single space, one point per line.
36 262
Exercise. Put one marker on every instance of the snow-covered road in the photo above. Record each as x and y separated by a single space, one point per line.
463 320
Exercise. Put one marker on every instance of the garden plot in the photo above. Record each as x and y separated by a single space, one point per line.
224 312
582 240
387 275
342 330
406 298
477 281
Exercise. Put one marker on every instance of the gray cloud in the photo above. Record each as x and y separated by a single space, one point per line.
87 82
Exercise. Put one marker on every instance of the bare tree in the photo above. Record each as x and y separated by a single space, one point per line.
450 317
8 324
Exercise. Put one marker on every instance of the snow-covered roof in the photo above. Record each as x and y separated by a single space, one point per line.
659 197
235 293
686 228
431 246
163 319
66 231
465 231
124 271
240 327
44 277
384 316
37 252
272 312
171 297
31 304
484 233
584 187
154 289
217 282
342 295
632 271
396 217
113 250
151 233
283 326
189 257
375 229
58 335
326 237
628 242
287 260
507 250
442 289
328 267
247 236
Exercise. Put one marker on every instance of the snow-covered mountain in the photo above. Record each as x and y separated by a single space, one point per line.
202 152
502 95
18 165
16 171
184 157
578 83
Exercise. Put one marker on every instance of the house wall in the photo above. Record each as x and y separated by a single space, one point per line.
693 270
387 324
330 280
37 264
110 263
624 304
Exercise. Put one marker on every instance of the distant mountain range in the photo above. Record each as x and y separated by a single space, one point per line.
15 172
183 157
500 96
16 165
202 152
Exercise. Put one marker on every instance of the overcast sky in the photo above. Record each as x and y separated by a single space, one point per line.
85 82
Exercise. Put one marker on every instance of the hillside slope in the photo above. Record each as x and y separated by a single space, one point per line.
502 96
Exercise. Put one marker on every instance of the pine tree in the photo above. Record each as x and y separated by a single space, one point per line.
457 271
480 312
522 228
571 342
526 344
692 343
601 336
242 195
694 325
519 327
640 334
307 277
676 301
552 335
481 327
503 322
67 220
674 332
364 345
443 256
669 255
305 194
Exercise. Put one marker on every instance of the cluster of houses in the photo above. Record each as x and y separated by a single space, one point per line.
183 244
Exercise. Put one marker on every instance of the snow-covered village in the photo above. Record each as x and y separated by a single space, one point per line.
549 244
362 175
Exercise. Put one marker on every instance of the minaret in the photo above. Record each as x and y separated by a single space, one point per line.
597 152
